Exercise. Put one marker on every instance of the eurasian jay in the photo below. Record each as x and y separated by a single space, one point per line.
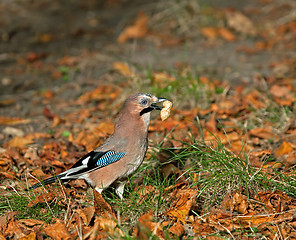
121 154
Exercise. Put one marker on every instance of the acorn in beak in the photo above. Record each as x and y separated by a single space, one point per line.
156 107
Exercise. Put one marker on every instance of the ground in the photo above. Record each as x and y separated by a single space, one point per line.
89 30
67 66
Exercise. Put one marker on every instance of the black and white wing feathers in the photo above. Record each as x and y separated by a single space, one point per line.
90 162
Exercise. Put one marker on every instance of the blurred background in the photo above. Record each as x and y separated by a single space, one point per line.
233 40
229 67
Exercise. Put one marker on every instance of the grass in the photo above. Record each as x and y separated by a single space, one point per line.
150 194
184 87
51 203
182 17
19 200
277 115
220 172
207 166
285 182
210 168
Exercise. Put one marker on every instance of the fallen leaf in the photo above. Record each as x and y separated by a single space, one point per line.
57 231
168 40
146 227
223 217
183 201
229 106
211 125
9 155
102 92
226 34
13 121
290 160
45 197
6 102
109 226
282 95
123 68
161 79
279 91
166 152
240 23
105 128
248 49
48 114
210 32
177 229
256 99
38 173
199 228
239 146
284 101
31 236
45 38
102 208
283 149
87 139
96 233
213 237
32 57
9 175
145 193
5 218
260 153
37 135
265 133
20 142
189 114
254 220
31 222
84 114
13 230
86 214
169 124
68 61
47 94
171 169
138 30
237 202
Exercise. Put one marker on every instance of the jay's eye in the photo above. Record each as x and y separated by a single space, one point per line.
144 102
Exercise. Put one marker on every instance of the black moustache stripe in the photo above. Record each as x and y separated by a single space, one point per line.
146 110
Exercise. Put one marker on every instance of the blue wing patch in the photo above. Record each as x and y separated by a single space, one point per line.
109 157
91 161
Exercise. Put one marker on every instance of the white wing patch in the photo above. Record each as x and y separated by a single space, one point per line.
85 161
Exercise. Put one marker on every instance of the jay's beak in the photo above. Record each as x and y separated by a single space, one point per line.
156 107
153 106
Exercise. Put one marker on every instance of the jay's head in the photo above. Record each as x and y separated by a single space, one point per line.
142 104
136 111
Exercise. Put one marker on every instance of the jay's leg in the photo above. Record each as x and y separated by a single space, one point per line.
120 189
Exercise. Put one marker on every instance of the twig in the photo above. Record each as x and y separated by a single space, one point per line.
227 230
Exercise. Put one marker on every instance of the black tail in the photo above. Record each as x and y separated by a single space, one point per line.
47 181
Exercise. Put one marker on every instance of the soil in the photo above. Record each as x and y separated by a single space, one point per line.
37 35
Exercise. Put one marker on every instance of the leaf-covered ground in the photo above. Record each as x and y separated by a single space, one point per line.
222 166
